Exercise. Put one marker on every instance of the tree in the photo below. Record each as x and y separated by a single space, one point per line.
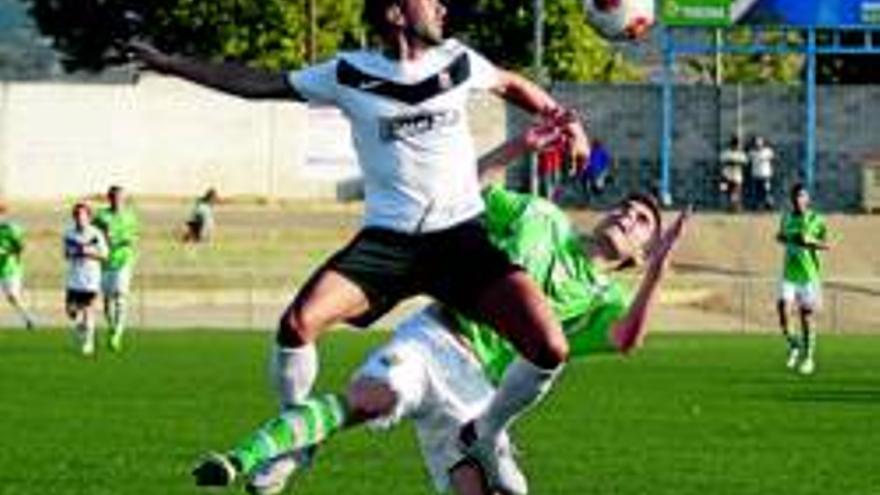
275 33
574 52
270 33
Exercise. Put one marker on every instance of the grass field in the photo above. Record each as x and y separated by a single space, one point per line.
689 414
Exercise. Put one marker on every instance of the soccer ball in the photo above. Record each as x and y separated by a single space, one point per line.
620 19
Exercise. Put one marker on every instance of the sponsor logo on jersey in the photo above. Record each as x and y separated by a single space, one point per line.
411 125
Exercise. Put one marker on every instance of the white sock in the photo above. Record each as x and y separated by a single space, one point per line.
522 386
119 309
293 370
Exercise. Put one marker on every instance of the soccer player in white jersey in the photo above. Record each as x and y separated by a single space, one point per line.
85 248
440 367
422 229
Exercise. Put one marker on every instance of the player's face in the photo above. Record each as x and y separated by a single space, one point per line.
81 217
114 197
425 19
801 201
627 230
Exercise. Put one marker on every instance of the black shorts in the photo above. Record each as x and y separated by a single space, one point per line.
454 266
79 298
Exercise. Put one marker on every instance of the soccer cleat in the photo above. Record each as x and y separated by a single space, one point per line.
495 458
215 470
807 367
115 342
794 355
87 348
272 477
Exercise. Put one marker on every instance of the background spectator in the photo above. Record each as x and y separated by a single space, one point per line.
733 161
594 176
761 157
200 226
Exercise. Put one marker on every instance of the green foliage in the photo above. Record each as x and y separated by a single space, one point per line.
273 33
753 69
270 33
576 53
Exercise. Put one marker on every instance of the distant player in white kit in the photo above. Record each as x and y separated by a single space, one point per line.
423 229
85 248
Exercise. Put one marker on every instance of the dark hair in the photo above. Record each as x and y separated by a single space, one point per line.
653 205
374 14
796 189
79 205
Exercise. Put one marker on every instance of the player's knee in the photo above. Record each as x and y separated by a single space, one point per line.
295 330
369 398
552 354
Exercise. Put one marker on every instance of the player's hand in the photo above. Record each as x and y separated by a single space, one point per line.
149 56
658 258
578 142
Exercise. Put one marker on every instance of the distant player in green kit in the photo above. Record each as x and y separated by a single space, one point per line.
11 267
440 368
803 233
119 224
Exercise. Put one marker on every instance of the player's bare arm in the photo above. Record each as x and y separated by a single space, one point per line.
232 78
532 98
630 331
537 136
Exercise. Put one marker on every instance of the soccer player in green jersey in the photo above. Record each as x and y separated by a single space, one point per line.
803 233
11 266
119 223
441 367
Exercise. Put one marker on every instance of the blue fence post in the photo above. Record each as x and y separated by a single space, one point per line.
809 165
668 109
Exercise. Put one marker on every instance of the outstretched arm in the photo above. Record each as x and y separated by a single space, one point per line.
231 78
534 99
548 131
630 331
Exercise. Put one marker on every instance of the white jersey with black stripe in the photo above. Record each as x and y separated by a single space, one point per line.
410 129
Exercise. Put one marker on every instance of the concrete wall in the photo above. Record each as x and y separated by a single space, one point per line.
163 136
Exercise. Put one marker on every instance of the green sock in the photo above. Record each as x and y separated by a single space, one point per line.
119 314
308 423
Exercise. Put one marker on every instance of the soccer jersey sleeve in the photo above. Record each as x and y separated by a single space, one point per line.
502 206
316 83
484 74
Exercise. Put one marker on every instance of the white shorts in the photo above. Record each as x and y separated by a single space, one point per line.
807 296
439 385
11 286
116 282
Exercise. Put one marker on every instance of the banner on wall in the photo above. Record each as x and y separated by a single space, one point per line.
330 152
799 13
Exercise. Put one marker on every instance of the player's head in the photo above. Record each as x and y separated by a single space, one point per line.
4 208
115 195
629 231
210 195
799 197
81 213
420 19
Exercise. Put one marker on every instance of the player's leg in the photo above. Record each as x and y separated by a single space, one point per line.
12 290
269 455
358 284
808 300
515 306
783 308
115 288
328 298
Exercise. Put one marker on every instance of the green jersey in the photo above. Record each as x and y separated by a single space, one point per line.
539 237
121 230
802 264
11 246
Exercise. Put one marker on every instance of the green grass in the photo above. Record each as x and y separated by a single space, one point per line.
689 414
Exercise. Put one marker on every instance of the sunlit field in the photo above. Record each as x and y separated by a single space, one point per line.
689 414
